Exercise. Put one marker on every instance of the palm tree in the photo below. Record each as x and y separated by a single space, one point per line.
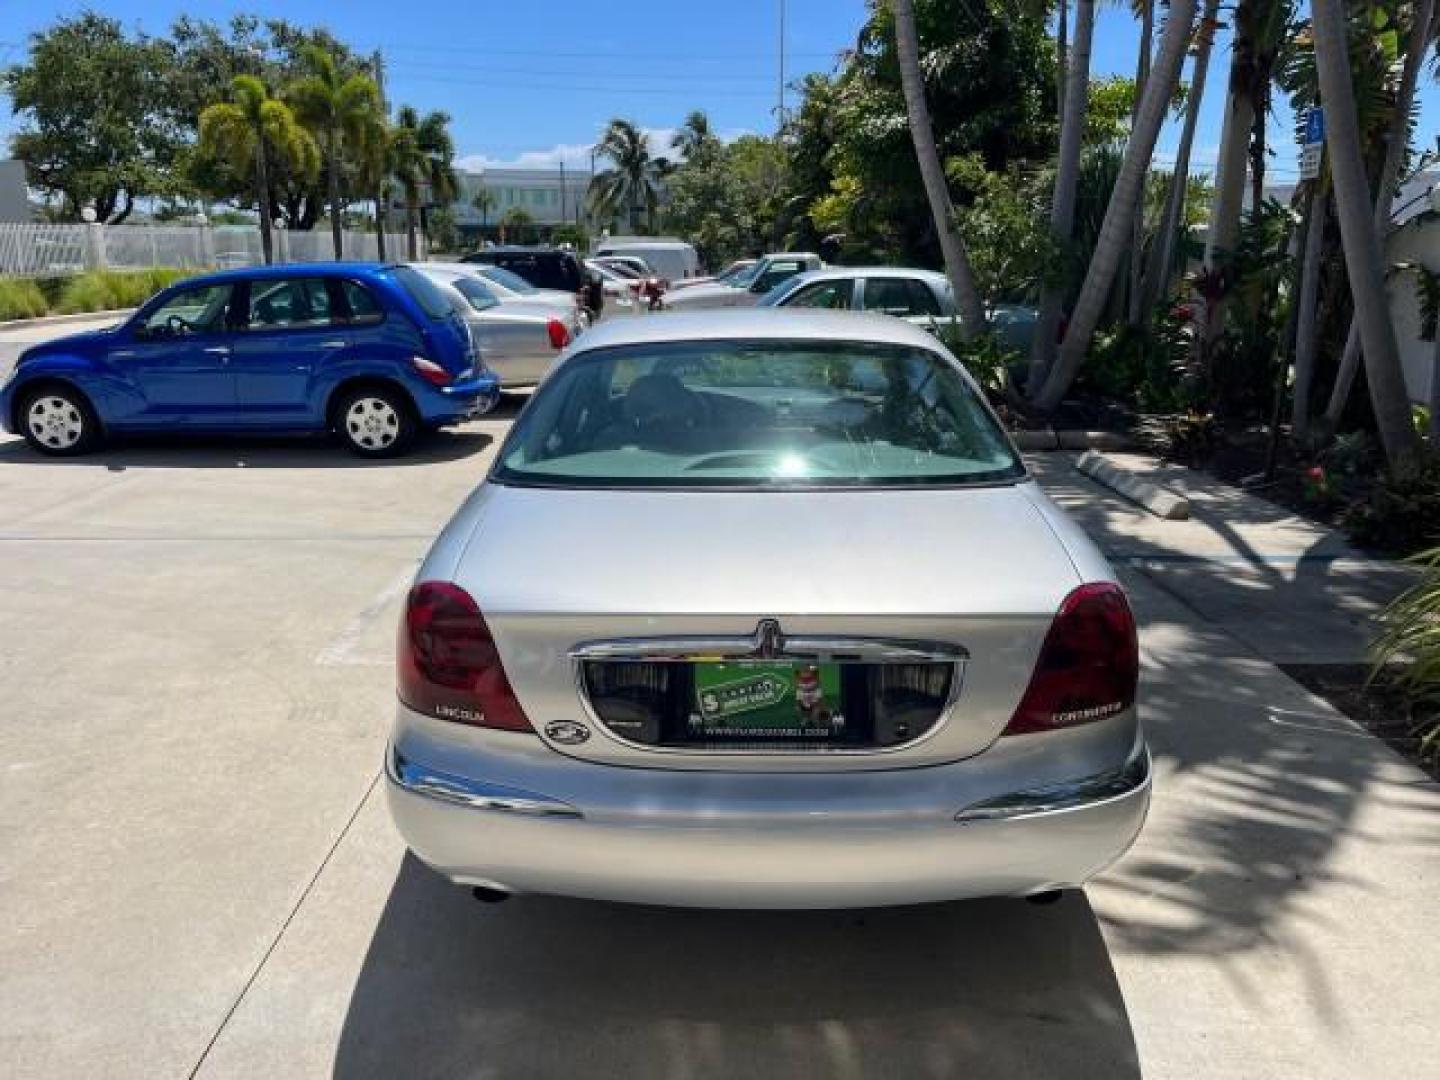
1158 275
375 165
1359 237
338 109
1145 9
1424 28
957 260
484 202
249 132
632 183
695 136
1067 185
1306 330
423 156
1115 231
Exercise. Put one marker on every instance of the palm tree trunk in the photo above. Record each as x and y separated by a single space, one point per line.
1433 399
380 224
333 150
1115 230
1360 240
1158 275
1062 56
1308 302
1062 203
1421 32
262 199
957 260
1136 309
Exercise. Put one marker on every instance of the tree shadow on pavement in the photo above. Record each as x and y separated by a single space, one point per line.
551 987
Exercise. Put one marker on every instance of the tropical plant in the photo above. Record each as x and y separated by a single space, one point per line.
696 137
630 188
1110 247
340 110
517 226
1360 239
484 202
1408 649
922 134
423 161
253 129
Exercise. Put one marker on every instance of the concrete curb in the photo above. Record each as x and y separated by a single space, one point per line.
60 320
1041 440
1165 505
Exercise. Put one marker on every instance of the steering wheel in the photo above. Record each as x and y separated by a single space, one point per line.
177 325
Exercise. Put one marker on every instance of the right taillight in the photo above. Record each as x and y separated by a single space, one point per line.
448 665
1088 666
559 334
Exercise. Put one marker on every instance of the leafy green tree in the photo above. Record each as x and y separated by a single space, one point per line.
484 202
517 226
726 199
631 186
252 129
423 162
92 131
339 110
696 137
374 171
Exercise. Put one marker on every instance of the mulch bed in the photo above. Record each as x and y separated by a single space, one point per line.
1379 708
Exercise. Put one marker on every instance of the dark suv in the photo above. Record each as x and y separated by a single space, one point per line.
545 268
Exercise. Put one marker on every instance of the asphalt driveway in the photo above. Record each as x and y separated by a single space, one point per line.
198 875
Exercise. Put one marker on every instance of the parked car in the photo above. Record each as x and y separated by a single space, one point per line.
622 294
376 354
509 285
724 277
633 263
670 260
826 643
747 287
922 297
518 340
545 268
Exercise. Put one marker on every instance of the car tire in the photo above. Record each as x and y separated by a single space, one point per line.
376 422
57 420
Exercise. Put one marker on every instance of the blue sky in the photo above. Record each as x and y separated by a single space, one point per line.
534 83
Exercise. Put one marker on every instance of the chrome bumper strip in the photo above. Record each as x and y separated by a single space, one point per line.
1071 795
447 787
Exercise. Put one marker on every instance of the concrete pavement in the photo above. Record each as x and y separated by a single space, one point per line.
198 875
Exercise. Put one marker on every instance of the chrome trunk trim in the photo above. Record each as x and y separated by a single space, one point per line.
766 644
447 787
1071 795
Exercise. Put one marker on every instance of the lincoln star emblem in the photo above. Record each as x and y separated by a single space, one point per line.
769 640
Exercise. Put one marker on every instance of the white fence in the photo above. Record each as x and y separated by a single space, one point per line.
34 249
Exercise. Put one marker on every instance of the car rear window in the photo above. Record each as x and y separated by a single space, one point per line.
513 282
757 414
423 291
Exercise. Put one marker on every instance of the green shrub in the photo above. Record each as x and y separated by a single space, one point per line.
21 298
1407 652
1399 511
105 290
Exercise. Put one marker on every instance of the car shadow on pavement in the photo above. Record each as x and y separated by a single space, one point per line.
544 986
248 452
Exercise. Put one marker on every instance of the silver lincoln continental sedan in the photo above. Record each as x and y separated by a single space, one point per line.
762 609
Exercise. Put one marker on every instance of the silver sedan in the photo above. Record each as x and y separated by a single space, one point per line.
519 340
762 609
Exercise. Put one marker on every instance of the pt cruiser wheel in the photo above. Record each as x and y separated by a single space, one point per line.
58 420
375 423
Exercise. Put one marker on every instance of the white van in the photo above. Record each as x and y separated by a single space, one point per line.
670 259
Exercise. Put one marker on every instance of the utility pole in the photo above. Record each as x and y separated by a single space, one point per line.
563 215
780 105
377 61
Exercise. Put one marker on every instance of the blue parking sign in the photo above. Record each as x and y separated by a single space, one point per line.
1314 127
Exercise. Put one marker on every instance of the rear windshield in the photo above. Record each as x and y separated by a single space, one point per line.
479 297
513 282
757 414
423 291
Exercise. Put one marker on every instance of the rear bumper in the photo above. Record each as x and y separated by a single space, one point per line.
461 400
655 847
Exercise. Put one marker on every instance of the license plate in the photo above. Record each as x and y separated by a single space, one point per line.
764 699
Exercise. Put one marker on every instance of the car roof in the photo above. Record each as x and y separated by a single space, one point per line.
520 249
766 324
832 272
283 270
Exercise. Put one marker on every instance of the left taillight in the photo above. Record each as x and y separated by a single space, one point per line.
430 371
559 333
448 665
1088 667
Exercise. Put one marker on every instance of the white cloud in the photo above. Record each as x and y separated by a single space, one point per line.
576 155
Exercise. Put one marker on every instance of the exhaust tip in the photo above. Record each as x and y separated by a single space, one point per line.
1046 898
487 895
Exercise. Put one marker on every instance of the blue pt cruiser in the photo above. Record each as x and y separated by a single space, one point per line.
376 354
